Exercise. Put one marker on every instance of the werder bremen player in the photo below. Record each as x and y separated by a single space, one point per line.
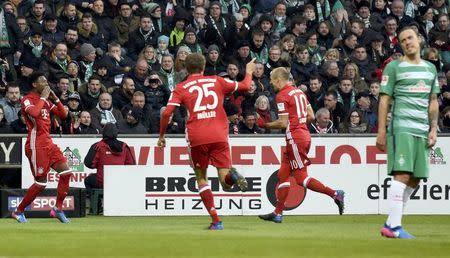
409 86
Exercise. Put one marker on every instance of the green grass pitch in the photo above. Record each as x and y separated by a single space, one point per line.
297 236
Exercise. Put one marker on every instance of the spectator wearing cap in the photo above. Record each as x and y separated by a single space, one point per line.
144 35
370 20
363 106
216 25
122 96
242 55
232 112
159 23
179 66
246 11
73 69
69 16
86 61
88 32
191 41
180 21
125 23
376 51
71 123
34 49
236 33
55 63
214 63
425 20
163 47
52 34
104 23
132 124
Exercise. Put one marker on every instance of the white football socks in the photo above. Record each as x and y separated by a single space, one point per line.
395 199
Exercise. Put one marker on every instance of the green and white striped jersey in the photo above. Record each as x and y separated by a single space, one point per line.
410 87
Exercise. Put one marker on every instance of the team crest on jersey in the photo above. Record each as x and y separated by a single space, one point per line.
280 106
401 160
384 80
27 102
40 170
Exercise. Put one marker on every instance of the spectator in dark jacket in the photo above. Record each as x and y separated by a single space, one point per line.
83 124
108 151
248 124
144 35
131 124
4 127
122 96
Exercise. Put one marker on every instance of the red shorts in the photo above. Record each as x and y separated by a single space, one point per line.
42 158
296 154
217 153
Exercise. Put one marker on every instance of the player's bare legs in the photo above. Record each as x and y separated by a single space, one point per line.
207 197
229 177
64 173
401 189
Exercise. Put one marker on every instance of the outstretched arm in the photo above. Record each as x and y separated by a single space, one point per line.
280 123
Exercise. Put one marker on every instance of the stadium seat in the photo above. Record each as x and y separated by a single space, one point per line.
97 195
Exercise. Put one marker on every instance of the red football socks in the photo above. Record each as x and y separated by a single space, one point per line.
31 194
317 186
282 194
208 200
63 188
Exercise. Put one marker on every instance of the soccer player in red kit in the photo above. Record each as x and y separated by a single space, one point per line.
42 153
294 114
207 127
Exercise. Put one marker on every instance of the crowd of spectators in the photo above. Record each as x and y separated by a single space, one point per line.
117 61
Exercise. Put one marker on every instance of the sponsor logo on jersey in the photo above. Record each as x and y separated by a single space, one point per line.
384 80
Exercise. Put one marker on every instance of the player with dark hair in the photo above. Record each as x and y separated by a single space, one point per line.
42 153
203 96
294 113
412 85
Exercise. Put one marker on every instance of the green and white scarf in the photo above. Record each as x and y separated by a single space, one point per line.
320 16
62 64
36 50
4 37
89 70
225 3
170 78
261 57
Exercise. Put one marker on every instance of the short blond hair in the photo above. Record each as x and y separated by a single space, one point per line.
280 73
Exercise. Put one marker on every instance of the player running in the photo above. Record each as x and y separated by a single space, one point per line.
42 153
294 113
207 127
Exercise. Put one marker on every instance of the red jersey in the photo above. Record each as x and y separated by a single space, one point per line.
203 97
293 102
36 111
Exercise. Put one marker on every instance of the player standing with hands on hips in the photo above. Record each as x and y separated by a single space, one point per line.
42 153
410 86
207 127
294 114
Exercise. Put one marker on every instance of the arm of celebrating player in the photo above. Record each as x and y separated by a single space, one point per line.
58 108
310 114
165 117
33 110
280 123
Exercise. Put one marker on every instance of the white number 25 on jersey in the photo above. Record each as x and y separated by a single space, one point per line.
204 92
